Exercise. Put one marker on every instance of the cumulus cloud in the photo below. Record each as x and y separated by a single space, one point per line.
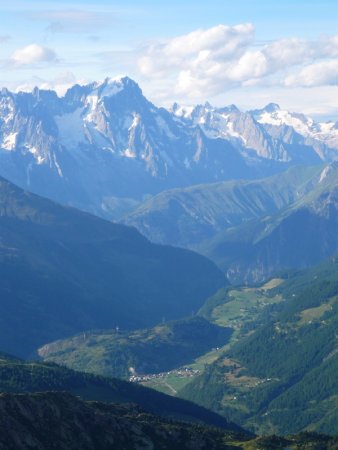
200 48
318 74
32 54
209 61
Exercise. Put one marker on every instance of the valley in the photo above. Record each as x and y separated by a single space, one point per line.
270 378
251 379
168 275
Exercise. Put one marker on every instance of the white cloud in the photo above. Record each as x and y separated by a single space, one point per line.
318 74
200 48
210 61
250 65
32 54
296 51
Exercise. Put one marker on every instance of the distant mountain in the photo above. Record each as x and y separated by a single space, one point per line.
188 216
159 349
104 147
251 137
64 271
282 377
298 128
250 228
301 235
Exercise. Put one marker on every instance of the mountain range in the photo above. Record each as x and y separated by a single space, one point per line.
103 147
251 228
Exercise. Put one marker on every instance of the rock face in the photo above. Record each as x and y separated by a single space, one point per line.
104 147
59 421
256 135
104 142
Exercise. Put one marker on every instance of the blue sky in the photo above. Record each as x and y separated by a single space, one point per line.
243 52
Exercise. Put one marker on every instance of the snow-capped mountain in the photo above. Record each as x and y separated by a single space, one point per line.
104 147
270 133
283 125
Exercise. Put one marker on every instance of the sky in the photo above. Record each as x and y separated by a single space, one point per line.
249 53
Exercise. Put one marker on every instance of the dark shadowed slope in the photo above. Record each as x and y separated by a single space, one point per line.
63 271
17 376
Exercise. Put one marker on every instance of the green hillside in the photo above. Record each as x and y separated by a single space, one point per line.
189 216
298 236
17 376
64 271
159 349
250 228
282 376
59 421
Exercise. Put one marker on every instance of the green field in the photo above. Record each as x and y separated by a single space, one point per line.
237 309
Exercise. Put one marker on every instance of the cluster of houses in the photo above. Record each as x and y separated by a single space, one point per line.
183 372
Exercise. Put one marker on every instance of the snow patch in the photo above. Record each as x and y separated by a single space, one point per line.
92 102
324 174
9 142
71 128
40 159
135 122
300 123
128 153
325 132
182 111
112 87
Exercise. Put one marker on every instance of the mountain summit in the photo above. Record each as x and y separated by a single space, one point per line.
104 147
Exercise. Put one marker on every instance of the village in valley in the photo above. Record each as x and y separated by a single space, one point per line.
183 372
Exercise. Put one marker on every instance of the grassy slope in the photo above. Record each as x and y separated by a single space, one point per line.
189 216
240 309
283 376
159 349
289 238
